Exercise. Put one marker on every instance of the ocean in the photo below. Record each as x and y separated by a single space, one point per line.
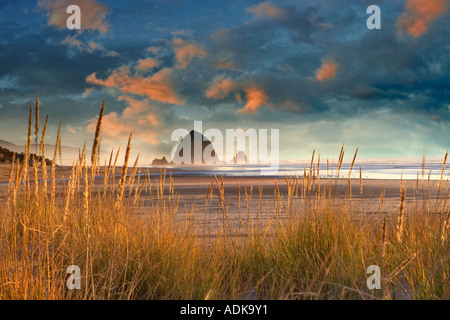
370 170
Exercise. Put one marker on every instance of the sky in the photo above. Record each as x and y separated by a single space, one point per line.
311 69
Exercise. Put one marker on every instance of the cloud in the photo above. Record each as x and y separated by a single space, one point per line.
136 108
91 47
87 92
326 71
145 64
291 105
93 14
185 52
419 14
265 10
279 54
158 87
225 64
8 82
220 88
138 117
112 126
256 97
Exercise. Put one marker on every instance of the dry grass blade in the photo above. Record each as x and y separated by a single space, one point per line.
445 227
133 175
340 161
383 239
42 152
106 173
30 127
55 154
124 173
442 174
26 160
97 135
11 178
399 269
350 173
360 180
401 214
36 123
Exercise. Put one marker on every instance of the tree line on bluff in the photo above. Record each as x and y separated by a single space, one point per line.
6 156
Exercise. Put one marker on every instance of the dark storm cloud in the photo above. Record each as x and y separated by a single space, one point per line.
273 49
37 63
372 65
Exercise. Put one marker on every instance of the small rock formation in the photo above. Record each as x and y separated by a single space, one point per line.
189 142
240 158
160 162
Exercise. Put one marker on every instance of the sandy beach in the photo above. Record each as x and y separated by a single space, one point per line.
253 197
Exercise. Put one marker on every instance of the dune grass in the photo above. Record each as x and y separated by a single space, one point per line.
320 250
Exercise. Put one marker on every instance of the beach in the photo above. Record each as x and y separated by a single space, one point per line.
167 224
251 199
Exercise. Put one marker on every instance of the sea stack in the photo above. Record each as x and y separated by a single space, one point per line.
200 148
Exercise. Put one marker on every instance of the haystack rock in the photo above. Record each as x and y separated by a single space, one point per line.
189 141
240 158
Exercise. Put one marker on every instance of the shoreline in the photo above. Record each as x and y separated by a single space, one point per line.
64 172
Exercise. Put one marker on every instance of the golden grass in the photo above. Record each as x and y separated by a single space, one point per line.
309 245
36 120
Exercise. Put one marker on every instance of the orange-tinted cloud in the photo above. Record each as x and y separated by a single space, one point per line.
265 10
72 41
93 13
138 117
326 71
185 52
134 106
158 87
220 88
111 126
153 49
87 92
419 14
256 97
225 64
145 64
148 119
